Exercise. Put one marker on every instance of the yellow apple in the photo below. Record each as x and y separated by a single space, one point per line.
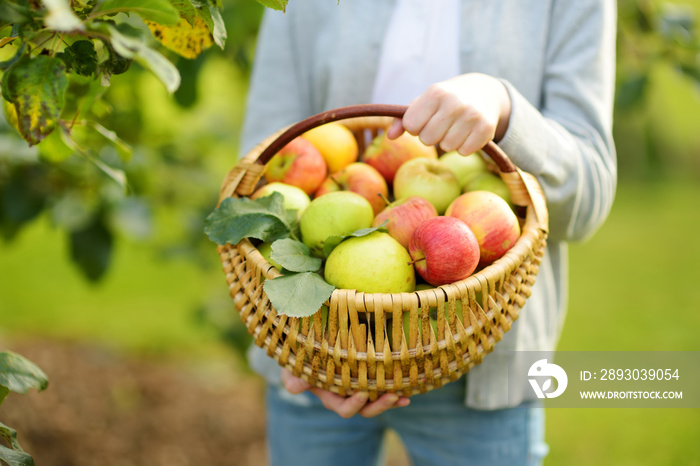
336 143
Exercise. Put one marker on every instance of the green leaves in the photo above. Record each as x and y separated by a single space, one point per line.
237 218
300 291
36 86
136 49
91 248
15 457
212 18
298 294
280 5
159 11
332 241
19 374
80 57
294 256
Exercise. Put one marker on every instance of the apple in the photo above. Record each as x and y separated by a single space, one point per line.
491 219
387 155
465 168
359 178
294 198
428 179
265 249
403 216
444 250
375 263
489 182
336 143
298 163
334 214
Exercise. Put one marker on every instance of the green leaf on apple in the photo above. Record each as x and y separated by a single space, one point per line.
237 218
294 256
298 294
332 241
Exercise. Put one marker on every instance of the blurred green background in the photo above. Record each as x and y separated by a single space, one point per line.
162 294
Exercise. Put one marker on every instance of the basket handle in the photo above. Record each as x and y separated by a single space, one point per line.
397 111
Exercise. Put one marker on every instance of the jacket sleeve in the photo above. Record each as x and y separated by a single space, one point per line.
566 139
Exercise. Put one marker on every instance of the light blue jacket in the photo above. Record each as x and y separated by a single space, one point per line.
557 59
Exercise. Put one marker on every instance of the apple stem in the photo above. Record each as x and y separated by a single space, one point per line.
416 260
384 198
332 177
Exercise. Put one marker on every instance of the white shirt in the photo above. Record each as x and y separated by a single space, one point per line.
420 47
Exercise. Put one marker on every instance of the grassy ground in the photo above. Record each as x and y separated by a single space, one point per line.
633 287
144 304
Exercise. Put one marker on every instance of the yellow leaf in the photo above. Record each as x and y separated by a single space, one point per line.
11 115
184 39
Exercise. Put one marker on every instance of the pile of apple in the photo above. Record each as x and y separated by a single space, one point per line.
444 217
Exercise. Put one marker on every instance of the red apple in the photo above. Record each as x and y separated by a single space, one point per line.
387 155
491 219
403 216
444 250
359 178
298 163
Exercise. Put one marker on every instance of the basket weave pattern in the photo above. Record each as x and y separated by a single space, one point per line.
362 345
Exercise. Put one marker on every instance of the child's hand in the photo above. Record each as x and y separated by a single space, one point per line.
345 406
463 113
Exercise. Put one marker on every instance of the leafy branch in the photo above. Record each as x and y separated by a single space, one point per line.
59 41
60 57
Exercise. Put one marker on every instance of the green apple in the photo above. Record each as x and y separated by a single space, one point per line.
464 167
375 263
294 198
334 214
429 179
489 182
265 249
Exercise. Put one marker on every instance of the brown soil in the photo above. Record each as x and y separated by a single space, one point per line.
102 408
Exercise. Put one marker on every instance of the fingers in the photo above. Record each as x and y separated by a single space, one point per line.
345 407
294 385
383 403
396 129
463 113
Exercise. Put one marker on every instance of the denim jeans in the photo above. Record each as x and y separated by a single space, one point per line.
436 429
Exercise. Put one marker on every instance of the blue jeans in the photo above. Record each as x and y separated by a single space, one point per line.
436 429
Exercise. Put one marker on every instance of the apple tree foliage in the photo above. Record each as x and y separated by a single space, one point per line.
651 34
58 59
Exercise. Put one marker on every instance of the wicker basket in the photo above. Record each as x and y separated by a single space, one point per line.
361 345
